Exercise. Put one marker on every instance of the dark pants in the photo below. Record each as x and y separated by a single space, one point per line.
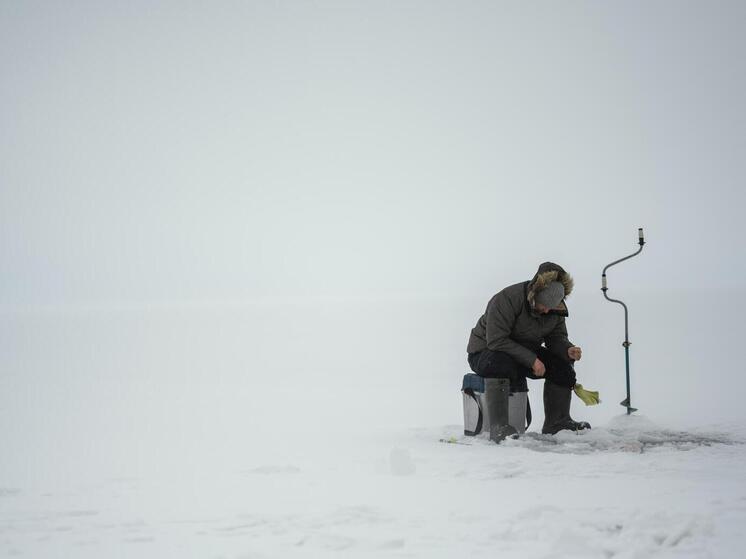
498 364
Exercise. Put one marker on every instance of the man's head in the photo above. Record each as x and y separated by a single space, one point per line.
550 297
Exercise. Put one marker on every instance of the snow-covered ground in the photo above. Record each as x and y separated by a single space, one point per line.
200 433
626 490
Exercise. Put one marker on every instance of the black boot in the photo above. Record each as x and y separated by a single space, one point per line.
557 410
497 391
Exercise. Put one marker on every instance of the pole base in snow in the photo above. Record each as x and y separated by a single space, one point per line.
625 403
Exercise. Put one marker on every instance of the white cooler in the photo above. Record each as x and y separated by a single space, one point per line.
476 415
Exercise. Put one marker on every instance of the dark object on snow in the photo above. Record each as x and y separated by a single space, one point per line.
557 410
497 391
508 338
627 402
511 325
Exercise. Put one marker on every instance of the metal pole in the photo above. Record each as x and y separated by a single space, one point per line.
627 402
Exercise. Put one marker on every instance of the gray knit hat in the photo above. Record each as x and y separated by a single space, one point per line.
551 296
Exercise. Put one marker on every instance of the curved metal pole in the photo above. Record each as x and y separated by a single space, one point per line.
626 402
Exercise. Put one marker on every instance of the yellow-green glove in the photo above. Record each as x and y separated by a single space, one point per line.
589 397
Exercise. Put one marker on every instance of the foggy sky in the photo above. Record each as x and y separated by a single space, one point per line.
194 151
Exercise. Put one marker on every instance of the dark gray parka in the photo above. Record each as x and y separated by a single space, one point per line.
511 325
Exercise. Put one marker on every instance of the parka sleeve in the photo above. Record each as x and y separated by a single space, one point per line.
499 323
557 342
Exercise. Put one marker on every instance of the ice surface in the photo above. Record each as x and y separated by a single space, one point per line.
626 489
628 433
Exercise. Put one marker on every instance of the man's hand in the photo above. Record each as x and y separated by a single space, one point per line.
538 368
574 353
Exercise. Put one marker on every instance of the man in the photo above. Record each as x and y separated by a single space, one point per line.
507 342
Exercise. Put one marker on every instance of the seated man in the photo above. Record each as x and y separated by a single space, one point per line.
507 342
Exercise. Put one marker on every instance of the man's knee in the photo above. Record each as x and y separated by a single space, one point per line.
496 364
559 371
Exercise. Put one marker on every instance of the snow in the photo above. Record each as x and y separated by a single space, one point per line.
628 489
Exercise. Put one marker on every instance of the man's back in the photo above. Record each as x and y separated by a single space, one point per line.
510 324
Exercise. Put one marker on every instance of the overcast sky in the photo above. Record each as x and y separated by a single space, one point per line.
186 151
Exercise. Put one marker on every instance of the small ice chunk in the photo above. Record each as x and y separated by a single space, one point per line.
400 461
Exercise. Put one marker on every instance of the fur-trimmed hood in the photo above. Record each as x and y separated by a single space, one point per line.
547 273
